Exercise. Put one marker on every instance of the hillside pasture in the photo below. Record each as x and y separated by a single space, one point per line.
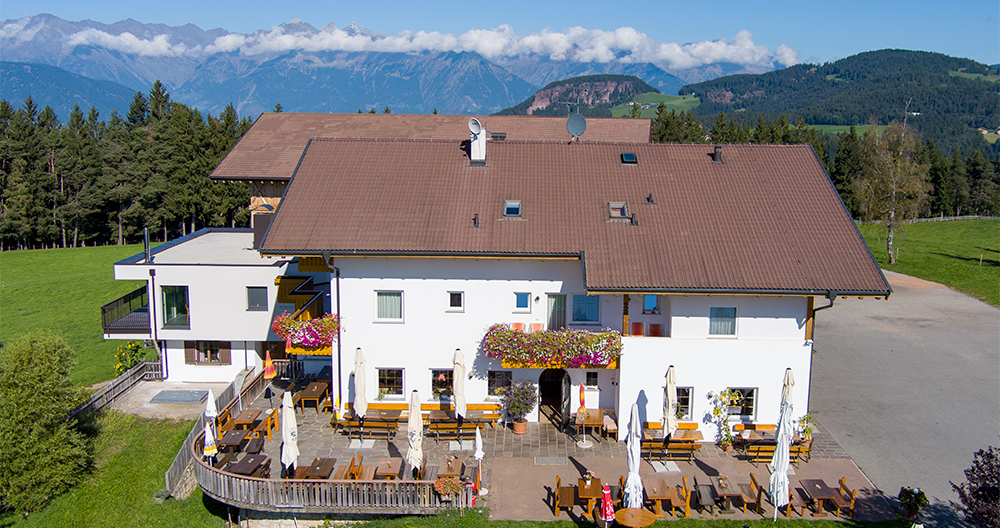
680 103
839 129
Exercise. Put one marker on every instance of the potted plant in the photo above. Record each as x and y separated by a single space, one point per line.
588 477
912 500
518 400
720 415
806 429
447 487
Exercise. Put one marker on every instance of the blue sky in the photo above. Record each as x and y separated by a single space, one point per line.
815 30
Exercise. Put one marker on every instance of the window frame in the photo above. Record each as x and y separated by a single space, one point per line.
202 352
250 306
461 301
618 206
170 297
572 309
655 310
508 205
587 377
378 382
442 390
713 318
527 307
402 313
690 403
746 393
507 379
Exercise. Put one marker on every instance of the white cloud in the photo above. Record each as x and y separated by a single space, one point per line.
576 44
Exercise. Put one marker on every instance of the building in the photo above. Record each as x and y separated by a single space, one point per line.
707 258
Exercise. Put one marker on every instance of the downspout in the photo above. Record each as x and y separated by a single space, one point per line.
336 274
152 321
832 296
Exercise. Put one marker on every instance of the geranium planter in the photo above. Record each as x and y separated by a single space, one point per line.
555 364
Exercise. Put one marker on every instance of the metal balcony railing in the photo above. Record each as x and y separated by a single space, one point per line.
128 314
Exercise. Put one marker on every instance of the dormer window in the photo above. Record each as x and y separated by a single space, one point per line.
618 210
628 158
512 208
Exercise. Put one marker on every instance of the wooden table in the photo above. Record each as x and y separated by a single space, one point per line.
591 493
248 465
389 467
728 492
316 391
592 418
657 491
687 435
386 415
245 419
321 468
819 492
634 517
450 468
233 438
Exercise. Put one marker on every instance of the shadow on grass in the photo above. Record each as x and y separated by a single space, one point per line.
973 260
217 509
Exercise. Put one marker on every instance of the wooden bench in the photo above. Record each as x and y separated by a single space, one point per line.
739 441
451 430
371 428
224 422
682 450
563 497
752 494
491 411
844 499
255 445
760 451
796 499
653 449
223 462
706 495
267 424
344 472
800 452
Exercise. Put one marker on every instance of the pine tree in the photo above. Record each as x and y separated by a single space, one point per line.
847 168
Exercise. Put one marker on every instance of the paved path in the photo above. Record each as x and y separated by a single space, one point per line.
910 387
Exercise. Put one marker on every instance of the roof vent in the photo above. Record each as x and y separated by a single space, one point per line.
717 154
649 199
628 158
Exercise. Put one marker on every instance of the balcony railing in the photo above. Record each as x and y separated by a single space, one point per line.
128 314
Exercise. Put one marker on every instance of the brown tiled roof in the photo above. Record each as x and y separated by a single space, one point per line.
273 145
767 219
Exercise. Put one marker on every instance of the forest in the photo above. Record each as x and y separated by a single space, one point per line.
91 181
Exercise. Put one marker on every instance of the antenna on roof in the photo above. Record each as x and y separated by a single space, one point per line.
576 125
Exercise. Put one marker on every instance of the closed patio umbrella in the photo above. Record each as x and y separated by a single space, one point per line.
670 403
360 402
210 448
289 434
458 384
783 436
607 508
415 433
211 411
633 483
269 374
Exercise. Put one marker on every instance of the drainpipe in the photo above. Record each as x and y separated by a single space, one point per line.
152 320
831 296
336 273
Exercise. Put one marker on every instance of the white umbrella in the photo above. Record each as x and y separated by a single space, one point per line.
633 483
210 449
670 403
415 433
783 436
360 403
210 411
289 433
458 381
478 454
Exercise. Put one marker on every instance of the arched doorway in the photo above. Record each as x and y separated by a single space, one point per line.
554 392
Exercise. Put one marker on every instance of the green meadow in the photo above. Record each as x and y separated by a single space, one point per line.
680 103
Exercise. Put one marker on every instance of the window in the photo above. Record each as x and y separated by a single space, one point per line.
743 401
390 382
684 403
650 304
441 383
389 305
591 379
722 321
456 301
618 209
207 353
512 208
586 308
175 307
498 381
628 158
557 311
256 298
522 302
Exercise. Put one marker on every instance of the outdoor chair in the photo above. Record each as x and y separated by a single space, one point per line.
563 497
752 494
845 498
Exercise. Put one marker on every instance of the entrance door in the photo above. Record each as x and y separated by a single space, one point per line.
554 389
566 388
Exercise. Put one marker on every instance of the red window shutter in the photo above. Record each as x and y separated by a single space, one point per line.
190 353
225 353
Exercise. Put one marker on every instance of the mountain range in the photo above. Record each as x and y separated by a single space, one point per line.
210 69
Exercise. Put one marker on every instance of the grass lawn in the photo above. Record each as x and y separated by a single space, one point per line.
945 252
131 455
838 129
62 290
681 103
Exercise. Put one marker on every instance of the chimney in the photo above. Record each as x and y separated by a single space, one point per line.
477 142
717 154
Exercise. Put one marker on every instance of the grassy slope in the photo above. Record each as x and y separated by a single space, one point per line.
62 290
131 456
680 103
946 252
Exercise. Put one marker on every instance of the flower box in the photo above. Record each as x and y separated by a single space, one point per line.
561 348
300 350
556 364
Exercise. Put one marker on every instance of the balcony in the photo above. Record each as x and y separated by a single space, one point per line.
556 348
128 314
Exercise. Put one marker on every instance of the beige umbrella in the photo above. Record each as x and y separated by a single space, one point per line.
782 458
289 433
458 383
415 433
670 403
360 402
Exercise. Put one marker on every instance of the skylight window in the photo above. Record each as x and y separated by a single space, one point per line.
512 208
628 158
618 209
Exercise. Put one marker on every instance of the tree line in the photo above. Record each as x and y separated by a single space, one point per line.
90 181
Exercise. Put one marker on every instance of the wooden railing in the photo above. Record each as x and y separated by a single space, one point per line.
289 368
106 395
325 496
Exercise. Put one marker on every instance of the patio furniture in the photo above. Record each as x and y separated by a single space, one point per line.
706 495
321 468
634 517
563 497
344 472
255 444
450 468
680 496
682 449
726 489
844 498
657 491
590 418
245 419
451 429
266 424
609 424
796 499
388 467
819 492
223 462
232 439
315 392
752 494
589 493
248 465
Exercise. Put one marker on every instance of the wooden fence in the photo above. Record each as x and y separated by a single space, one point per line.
289 368
326 496
106 395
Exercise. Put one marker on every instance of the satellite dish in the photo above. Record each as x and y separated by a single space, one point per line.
475 126
576 125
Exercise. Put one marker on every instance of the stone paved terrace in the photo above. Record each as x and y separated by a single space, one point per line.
519 471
